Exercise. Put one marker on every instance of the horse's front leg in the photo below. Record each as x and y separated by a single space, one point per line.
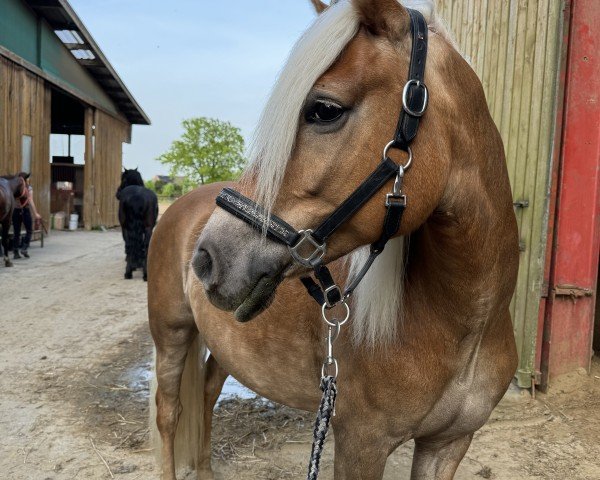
438 459
171 351
5 227
360 454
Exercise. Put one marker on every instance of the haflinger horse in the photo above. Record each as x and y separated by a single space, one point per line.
429 349
12 187
138 213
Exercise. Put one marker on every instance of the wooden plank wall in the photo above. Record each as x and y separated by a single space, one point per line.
88 178
103 166
25 110
514 45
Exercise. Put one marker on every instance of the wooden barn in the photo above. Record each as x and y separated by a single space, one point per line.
55 83
539 62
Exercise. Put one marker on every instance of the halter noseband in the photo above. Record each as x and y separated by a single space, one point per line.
414 103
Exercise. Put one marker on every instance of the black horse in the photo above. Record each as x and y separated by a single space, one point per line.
12 188
138 212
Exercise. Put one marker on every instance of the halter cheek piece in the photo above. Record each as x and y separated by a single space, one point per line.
414 103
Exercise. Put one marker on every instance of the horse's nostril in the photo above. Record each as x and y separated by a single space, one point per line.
203 265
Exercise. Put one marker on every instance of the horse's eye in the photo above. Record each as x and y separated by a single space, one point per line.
324 111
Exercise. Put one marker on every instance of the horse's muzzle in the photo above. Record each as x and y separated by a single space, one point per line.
239 270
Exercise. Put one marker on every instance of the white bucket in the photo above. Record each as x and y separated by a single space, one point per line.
73 221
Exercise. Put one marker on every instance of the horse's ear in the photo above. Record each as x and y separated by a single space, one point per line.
135 169
384 17
319 6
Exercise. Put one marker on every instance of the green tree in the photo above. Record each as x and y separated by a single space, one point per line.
151 184
209 150
169 190
187 185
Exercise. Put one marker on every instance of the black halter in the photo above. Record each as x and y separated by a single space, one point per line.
414 104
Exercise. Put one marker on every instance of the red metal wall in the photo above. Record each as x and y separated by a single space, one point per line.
569 310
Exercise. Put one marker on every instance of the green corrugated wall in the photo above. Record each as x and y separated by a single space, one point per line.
514 46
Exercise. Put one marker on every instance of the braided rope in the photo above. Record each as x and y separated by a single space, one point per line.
326 409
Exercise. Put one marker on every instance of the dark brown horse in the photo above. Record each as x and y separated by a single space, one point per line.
429 349
12 187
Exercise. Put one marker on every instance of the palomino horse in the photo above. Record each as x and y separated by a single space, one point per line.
429 350
11 188
138 212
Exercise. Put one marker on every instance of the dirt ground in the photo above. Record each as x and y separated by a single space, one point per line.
75 356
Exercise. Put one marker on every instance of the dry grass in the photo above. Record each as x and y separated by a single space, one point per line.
243 425
244 428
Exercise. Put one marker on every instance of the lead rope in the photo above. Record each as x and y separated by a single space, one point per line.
329 389
326 410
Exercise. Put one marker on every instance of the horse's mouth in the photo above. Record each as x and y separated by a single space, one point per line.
259 298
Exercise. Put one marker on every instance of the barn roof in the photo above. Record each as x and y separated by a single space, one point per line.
72 32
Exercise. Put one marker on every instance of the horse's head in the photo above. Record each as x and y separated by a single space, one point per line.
130 177
323 131
21 189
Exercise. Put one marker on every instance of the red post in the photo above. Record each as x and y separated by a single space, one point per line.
569 312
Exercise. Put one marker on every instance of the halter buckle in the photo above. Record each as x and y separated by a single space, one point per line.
333 289
315 256
392 198
406 91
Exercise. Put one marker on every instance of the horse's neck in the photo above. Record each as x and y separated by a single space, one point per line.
461 262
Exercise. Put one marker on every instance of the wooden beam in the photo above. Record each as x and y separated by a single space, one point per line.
88 190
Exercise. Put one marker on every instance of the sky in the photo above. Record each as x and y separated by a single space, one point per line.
192 58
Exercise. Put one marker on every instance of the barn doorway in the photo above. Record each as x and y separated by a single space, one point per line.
67 153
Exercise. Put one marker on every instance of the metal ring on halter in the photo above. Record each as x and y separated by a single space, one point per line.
405 106
327 363
335 322
409 150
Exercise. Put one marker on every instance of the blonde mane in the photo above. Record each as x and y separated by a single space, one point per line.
377 305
